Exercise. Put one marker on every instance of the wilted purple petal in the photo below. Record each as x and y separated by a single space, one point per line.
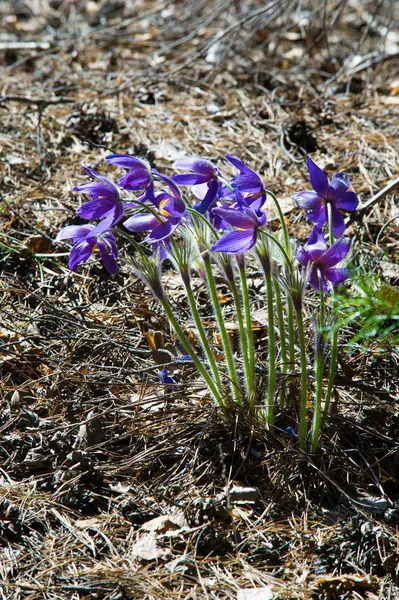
335 254
308 200
162 231
165 378
236 242
347 201
336 275
340 182
140 223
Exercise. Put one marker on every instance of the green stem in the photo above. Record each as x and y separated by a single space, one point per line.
334 337
283 343
222 329
243 334
304 382
282 221
272 348
190 350
319 362
248 322
291 333
201 331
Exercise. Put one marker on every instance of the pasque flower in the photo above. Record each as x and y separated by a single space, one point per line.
138 176
247 220
335 193
247 182
320 260
170 207
85 238
106 201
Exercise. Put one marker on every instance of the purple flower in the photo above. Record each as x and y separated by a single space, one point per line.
138 176
320 260
165 378
244 238
170 207
85 238
335 194
247 182
106 201
200 171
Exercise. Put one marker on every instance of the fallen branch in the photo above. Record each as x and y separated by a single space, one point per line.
359 214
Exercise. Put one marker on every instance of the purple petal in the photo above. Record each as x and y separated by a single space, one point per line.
162 231
209 198
336 275
74 232
335 254
135 180
318 178
127 162
195 164
80 253
340 183
173 207
338 223
308 200
316 243
140 223
236 242
169 182
302 256
318 216
95 209
109 253
190 179
200 190
238 163
347 201
244 218
314 280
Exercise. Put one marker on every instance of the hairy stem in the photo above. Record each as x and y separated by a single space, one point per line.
190 350
319 362
222 330
283 343
248 323
304 382
201 332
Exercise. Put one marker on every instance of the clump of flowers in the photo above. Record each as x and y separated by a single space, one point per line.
211 225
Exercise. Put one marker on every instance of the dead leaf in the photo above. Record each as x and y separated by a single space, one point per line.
147 549
265 593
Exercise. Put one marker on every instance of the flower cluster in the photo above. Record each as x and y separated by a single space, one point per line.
236 207
198 218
